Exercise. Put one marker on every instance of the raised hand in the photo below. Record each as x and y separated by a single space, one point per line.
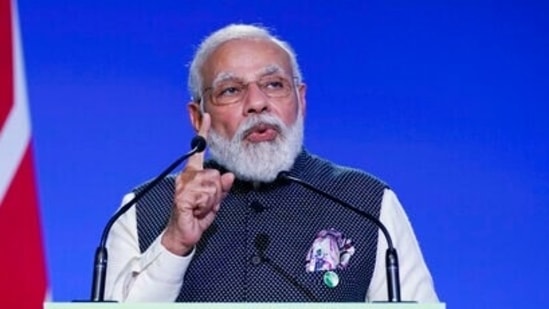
198 196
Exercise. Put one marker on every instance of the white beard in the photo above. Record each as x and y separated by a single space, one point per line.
258 162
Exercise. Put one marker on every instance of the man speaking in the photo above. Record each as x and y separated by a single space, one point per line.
229 229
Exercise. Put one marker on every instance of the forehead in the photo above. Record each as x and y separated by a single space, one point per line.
245 58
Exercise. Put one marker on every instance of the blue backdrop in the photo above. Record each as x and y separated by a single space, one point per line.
445 100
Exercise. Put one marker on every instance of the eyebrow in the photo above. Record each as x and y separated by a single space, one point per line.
272 69
225 76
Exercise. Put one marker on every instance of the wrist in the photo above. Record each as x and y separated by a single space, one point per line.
172 244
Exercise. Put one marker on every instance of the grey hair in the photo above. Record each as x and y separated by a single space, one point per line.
227 33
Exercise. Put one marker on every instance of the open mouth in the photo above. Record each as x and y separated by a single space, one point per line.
261 132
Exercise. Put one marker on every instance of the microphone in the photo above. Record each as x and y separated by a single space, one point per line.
261 243
391 257
198 144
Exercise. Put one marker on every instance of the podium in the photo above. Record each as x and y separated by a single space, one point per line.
243 306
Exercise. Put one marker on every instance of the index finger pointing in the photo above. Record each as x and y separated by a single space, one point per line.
196 161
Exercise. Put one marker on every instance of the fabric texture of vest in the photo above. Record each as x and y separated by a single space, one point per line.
278 221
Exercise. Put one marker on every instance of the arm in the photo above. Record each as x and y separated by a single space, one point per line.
157 273
415 279
152 276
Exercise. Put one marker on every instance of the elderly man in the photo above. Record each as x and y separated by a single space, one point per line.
228 229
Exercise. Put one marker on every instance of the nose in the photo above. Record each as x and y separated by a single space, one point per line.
256 101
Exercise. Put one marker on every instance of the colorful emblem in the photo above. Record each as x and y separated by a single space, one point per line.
330 250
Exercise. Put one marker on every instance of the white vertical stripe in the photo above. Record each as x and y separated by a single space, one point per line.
15 134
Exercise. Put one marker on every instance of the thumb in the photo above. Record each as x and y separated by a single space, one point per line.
227 180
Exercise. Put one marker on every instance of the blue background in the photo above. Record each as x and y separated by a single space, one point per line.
445 100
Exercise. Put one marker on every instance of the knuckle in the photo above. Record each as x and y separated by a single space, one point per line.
212 173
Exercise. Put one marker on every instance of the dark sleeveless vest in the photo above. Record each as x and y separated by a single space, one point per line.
278 221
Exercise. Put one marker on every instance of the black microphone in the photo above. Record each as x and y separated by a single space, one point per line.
391 257
261 243
198 144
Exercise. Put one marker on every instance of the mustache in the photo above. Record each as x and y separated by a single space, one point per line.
265 121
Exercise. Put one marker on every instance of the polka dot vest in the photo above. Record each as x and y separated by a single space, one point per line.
257 248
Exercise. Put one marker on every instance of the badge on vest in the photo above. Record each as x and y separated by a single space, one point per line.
330 250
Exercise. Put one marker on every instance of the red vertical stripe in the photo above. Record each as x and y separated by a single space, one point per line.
22 267
6 61
22 262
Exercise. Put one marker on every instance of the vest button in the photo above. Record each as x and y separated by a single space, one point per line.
256 260
257 207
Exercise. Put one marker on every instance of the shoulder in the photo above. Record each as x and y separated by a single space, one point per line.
353 185
167 183
326 171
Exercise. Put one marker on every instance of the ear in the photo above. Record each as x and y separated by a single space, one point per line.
195 115
303 98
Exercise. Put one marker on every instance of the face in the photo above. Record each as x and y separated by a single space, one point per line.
246 61
256 110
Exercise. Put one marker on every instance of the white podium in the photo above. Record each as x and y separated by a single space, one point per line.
243 306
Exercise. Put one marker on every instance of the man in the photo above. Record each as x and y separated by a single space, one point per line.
228 229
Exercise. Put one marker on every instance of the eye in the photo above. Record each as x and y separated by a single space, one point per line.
228 90
274 84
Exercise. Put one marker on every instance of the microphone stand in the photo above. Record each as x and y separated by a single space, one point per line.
391 257
198 144
261 243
